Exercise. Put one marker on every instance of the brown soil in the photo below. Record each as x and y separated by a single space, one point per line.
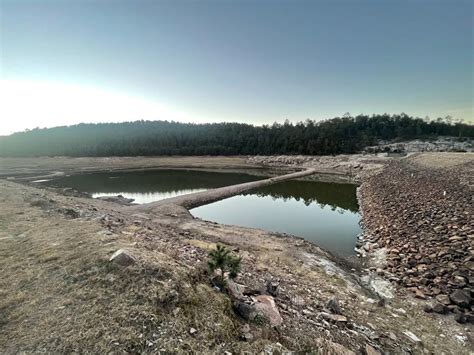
59 292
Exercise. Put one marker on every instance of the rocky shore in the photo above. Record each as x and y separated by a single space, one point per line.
419 232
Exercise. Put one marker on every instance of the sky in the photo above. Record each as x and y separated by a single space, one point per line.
65 62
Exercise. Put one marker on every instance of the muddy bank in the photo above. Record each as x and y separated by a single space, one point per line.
45 167
419 232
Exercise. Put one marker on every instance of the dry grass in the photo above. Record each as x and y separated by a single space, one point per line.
59 292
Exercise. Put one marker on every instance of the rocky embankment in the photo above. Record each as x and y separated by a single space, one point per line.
446 144
419 232
352 166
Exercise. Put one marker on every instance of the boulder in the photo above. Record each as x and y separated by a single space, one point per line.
122 257
259 307
265 305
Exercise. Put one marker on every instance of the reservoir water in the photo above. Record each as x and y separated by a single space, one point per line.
321 212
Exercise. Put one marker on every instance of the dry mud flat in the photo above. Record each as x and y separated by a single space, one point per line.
60 293
417 215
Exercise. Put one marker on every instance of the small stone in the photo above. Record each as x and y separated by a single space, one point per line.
247 337
273 288
439 308
444 299
192 331
420 294
370 350
298 301
392 336
460 318
307 312
122 257
333 317
412 337
427 308
461 298
333 306
176 311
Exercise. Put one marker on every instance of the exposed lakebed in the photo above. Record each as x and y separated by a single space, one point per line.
322 212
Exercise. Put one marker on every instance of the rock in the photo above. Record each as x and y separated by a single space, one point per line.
427 308
235 290
307 312
412 337
392 336
460 318
71 213
420 294
370 350
192 331
246 337
444 299
439 308
259 307
245 310
461 298
298 301
333 306
266 306
122 257
333 317
273 288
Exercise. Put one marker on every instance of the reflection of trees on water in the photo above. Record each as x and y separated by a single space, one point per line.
339 197
151 181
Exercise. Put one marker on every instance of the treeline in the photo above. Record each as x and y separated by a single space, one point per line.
338 135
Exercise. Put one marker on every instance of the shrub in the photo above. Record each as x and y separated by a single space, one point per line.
221 259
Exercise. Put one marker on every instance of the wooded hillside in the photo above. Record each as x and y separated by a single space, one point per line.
338 135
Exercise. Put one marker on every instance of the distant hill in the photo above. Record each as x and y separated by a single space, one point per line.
338 135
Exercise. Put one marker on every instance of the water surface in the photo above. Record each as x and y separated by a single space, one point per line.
325 213
151 185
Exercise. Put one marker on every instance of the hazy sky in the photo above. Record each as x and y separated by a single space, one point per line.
64 62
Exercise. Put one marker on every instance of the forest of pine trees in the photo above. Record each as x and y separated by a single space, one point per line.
338 135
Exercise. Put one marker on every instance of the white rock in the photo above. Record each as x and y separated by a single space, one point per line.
412 336
122 257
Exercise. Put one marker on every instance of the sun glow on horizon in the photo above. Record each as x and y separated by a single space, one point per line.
29 104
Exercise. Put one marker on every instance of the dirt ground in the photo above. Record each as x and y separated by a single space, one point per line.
60 293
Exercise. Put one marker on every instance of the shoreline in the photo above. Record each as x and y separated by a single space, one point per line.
176 243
